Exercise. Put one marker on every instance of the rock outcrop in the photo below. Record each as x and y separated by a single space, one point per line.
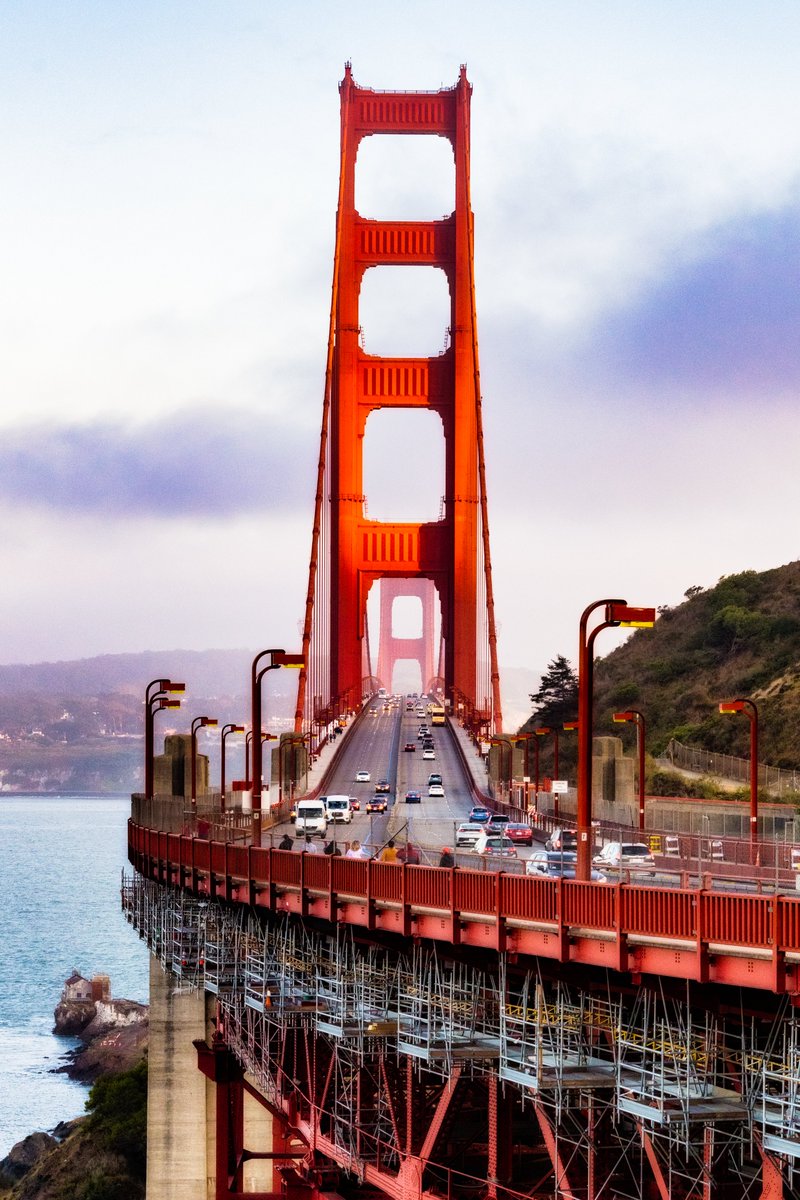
71 1016
23 1156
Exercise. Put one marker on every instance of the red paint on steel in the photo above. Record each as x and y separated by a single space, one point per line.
543 916
350 552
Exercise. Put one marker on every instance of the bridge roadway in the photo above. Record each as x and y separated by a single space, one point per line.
377 744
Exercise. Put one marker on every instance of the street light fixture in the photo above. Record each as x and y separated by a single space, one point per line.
226 731
277 658
198 723
632 715
156 690
617 613
750 710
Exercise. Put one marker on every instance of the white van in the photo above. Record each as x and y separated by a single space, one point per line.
310 818
338 808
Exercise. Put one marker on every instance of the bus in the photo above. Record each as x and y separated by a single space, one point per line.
436 713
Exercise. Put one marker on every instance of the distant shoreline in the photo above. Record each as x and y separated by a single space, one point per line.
59 794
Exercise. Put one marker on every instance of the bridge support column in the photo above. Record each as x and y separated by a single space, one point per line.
177 1133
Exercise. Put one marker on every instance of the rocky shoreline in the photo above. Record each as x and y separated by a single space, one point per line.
113 1033
114 1038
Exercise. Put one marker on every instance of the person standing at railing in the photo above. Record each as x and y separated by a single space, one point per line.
388 854
355 850
285 843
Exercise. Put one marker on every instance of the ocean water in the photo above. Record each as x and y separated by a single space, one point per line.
61 860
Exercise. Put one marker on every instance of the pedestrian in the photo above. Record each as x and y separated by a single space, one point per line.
409 854
388 854
285 843
354 850
332 849
309 846
447 859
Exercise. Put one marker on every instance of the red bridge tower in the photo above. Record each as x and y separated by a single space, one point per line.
349 551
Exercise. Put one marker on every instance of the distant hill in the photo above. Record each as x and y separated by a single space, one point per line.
738 639
205 672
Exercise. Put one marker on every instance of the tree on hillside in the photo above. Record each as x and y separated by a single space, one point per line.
557 698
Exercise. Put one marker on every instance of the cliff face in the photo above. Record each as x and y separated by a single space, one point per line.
72 1016
114 1037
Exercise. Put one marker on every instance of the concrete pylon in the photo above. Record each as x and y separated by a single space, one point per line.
180 1120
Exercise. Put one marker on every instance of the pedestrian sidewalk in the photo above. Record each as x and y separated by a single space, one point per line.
476 763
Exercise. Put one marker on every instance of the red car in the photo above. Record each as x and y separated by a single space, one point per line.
411 747
376 804
521 835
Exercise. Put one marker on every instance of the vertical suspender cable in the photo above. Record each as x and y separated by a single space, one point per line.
497 715
319 499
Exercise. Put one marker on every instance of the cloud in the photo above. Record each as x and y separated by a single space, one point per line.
728 319
201 461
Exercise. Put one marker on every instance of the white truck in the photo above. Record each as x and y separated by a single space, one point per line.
338 808
310 818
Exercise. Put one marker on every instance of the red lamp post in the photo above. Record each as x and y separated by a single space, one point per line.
750 710
155 698
617 613
248 741
278 658
198 723
226 731
543 731
568 727
634 716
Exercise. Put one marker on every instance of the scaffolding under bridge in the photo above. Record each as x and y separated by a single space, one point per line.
487 1074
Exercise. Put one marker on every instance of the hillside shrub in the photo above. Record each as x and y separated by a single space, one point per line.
117 1106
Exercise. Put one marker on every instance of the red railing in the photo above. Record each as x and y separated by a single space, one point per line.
568 907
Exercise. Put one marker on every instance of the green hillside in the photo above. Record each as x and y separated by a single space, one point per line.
738 639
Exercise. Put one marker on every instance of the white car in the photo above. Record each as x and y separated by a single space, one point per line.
626 856
363 777
435 789
468 833
494 845
429 754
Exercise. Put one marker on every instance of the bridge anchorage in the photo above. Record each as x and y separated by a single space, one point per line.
366 1029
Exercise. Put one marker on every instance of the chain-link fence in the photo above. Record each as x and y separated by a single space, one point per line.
775 780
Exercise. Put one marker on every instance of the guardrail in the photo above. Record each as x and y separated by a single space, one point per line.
698 934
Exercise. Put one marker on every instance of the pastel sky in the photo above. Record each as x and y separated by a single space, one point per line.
169 188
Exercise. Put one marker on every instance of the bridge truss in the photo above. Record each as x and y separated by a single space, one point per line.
350 552
410 1069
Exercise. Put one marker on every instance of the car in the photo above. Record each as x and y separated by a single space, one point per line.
355 804
626 856
499 821
520 833
422 733
428 755
494 845
480 814
558 864
382 787
376 804
363 777
562 839
436 789
410 747
434 777
468 833
413 798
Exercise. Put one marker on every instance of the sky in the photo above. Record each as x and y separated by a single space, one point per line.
170 175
